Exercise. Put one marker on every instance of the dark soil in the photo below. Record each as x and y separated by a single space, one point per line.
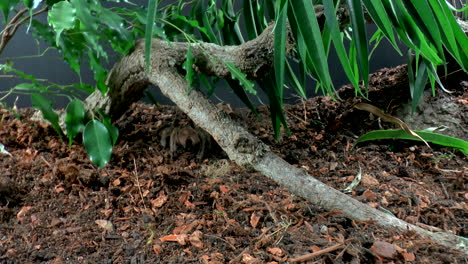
148 206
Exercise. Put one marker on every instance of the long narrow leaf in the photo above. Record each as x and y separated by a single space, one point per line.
359 35
424 18
332 24
280 49
236 74
152 6
381 19
427 136
309 31
249 19
298 86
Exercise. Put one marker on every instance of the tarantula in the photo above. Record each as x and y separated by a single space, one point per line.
186 137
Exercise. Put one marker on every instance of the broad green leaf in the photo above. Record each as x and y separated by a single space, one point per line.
188 67
45 106
62 16
52 2
427 136
7 6
97 141
280 49
74 119
89 26
152 7
120 38
236 74
360 38
31 4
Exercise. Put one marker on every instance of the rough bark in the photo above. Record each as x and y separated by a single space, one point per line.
128 79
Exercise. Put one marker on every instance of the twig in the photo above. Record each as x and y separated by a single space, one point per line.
238 257
13 25
316 254
138 183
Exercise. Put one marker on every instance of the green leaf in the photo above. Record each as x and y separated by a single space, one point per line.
74 119
7 6
418 82
360 38
382 20
89 24
276 106
240 92
113 131
337 39
421 12
310 34
152 7
45 106
298 86
249 18
31 4
427 136
28 87
52 2
62 16
187 65
97 141
280 49
120 38
236 74
100 74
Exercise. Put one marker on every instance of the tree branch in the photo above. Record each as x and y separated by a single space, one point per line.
13 25
128 79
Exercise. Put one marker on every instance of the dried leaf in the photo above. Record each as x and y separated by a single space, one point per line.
408 256
105 224
160 201
254 218
157 249
181 239
195 239
384 249
22 212
223 189
276 251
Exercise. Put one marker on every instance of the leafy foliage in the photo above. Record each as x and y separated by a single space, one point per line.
83 29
